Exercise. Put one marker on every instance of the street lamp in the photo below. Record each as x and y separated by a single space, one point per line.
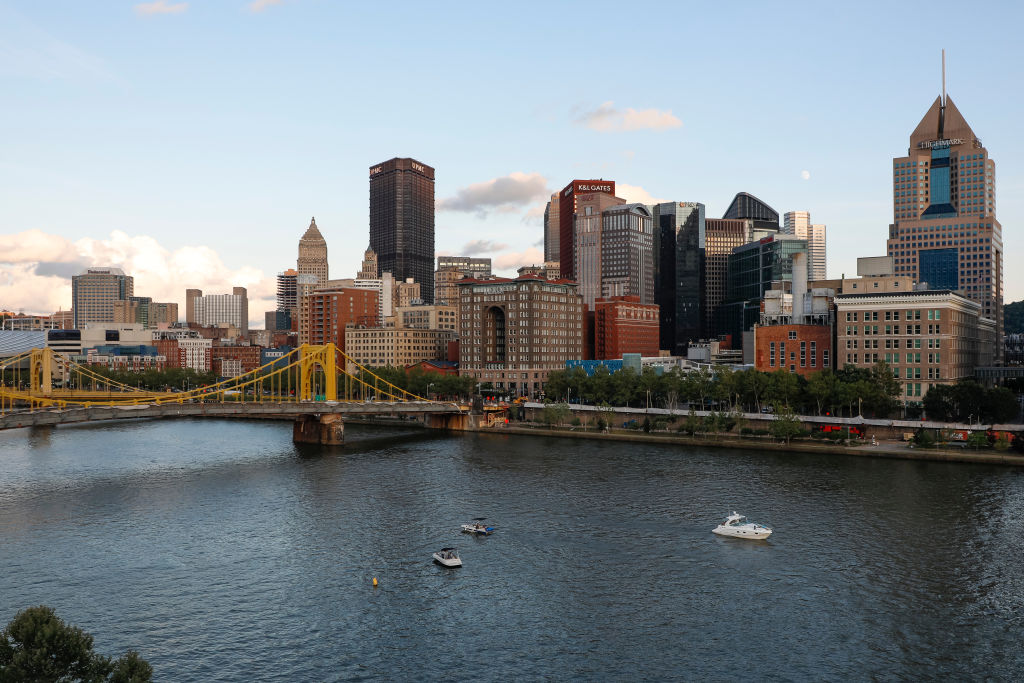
429 386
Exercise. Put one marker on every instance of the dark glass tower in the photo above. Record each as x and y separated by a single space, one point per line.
402 221
679 233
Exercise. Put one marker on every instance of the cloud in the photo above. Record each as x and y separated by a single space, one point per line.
535 215
36 269
606 118
635 193
260 5
160 7
806 175
504 195
481 247
514 260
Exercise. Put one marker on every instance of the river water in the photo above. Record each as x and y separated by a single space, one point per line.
221 551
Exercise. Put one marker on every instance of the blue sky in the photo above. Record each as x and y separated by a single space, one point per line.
192 145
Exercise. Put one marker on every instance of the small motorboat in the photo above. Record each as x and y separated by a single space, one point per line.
477 526
737 526
449 557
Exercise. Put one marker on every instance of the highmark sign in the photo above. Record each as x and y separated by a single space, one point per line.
939 144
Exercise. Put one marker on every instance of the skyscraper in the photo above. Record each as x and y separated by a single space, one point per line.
588 198
551 228
798 223
402 221
313 253
944 229
94 292
748 207
679 234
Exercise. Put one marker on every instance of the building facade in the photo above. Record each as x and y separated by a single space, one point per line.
579 210
624 324
798 224
331 311
753 267
436 317
402 221
451 269
944 230
513 333
679 239
627 252
313 254
143 310
397 347
221 310
94 292
551 230
927 337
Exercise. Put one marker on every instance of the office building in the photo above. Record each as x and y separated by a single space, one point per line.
402 221
798 224
94 292
944 230
514 332
624 324
143 310
427 317
222 310
551 230
190 308
746 206
313 253
753 267
370 269
331 310
678 258
579 211
627 252
397 347
451 269
287 290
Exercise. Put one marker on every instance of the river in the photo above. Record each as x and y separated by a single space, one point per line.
222 551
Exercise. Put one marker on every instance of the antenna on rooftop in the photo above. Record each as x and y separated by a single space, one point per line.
942 104
943 77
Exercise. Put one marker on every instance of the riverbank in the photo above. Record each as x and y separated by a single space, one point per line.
883 449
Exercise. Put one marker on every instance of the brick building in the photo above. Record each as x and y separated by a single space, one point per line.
332 309
624 325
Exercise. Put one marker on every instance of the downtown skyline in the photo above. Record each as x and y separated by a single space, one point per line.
201 167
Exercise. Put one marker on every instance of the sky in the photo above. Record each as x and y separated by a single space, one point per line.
190 142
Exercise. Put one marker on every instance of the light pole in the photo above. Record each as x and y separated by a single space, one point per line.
429 387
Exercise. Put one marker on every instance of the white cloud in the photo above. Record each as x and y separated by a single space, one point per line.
606 118
475 247
514 260
35 270
806 175
260 5
160 7
635 193
505 194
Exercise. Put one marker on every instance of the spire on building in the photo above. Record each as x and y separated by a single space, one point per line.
313 253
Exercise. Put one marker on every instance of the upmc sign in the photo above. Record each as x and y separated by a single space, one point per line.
587 186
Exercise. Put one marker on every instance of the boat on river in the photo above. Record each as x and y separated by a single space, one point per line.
477 526
738 526
449 557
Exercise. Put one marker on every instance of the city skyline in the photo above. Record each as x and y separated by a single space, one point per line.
190 177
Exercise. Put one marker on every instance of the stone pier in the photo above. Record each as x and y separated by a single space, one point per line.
327 430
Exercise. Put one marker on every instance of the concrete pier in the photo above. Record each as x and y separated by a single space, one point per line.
327 430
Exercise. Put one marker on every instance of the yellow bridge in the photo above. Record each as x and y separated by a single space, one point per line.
315 385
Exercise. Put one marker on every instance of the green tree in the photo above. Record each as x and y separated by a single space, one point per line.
1000 405
38 646
820 387
940 403
556 413
786 425
977 440
783 387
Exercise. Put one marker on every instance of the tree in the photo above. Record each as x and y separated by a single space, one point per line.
38 646
1000 405
786 425
821 386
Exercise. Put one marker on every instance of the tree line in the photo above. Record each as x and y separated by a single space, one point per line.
851 391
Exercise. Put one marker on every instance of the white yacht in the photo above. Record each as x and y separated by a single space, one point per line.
477 526
737 526
449 557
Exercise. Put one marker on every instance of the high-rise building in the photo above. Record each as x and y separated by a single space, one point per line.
679 240
798 223
551 230
622 324
190 307
287 290
579 209
402 220
369 271
753 267
746 206
313 253
721 236
451 269
94 292
223 310
331 310
627 252
143 310
513 333
944 230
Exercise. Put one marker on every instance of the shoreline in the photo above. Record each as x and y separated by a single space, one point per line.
882 450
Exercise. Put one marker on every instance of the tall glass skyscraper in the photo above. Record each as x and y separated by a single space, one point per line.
944 230
679 241
402 221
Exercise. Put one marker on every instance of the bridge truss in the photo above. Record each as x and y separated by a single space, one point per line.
42 378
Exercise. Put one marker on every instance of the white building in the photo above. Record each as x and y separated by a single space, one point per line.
798 223
219 310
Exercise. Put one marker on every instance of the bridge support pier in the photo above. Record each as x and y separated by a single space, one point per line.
327 430
457 422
